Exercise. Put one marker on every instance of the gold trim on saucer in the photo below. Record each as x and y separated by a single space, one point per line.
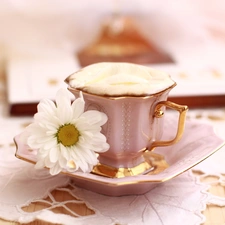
115 183
153 164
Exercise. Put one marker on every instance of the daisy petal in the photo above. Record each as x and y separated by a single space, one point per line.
94 117
50 136
54 155
64 151
78 108
63 102
56 169
46 106
39 165
62 161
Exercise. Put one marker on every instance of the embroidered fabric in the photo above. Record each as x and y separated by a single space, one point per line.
180 200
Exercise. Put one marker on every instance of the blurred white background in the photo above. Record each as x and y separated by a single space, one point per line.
39 39
51 26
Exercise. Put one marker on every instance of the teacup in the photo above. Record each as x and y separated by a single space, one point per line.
134 98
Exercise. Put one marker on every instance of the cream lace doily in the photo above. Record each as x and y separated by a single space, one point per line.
180 200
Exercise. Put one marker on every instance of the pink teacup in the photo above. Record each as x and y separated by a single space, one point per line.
135 118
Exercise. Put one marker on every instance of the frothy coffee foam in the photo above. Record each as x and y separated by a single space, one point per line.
120 79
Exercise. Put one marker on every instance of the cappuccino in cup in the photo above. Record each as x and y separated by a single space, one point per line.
134 97
120 79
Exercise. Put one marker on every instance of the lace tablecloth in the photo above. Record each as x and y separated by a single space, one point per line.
180 200
28 195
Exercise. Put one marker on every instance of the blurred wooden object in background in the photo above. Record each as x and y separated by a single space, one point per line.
121 41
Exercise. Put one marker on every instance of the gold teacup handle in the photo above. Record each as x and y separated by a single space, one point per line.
182 109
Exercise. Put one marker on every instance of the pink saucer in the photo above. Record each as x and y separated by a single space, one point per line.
198 142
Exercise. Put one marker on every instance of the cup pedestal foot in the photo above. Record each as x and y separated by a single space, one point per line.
153 164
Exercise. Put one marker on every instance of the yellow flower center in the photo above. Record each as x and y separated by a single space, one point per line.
68 135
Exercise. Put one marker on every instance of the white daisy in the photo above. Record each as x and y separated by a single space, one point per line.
66 137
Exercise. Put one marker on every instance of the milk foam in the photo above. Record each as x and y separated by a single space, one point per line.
120 79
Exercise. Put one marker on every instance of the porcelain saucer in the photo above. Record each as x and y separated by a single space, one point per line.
199 141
